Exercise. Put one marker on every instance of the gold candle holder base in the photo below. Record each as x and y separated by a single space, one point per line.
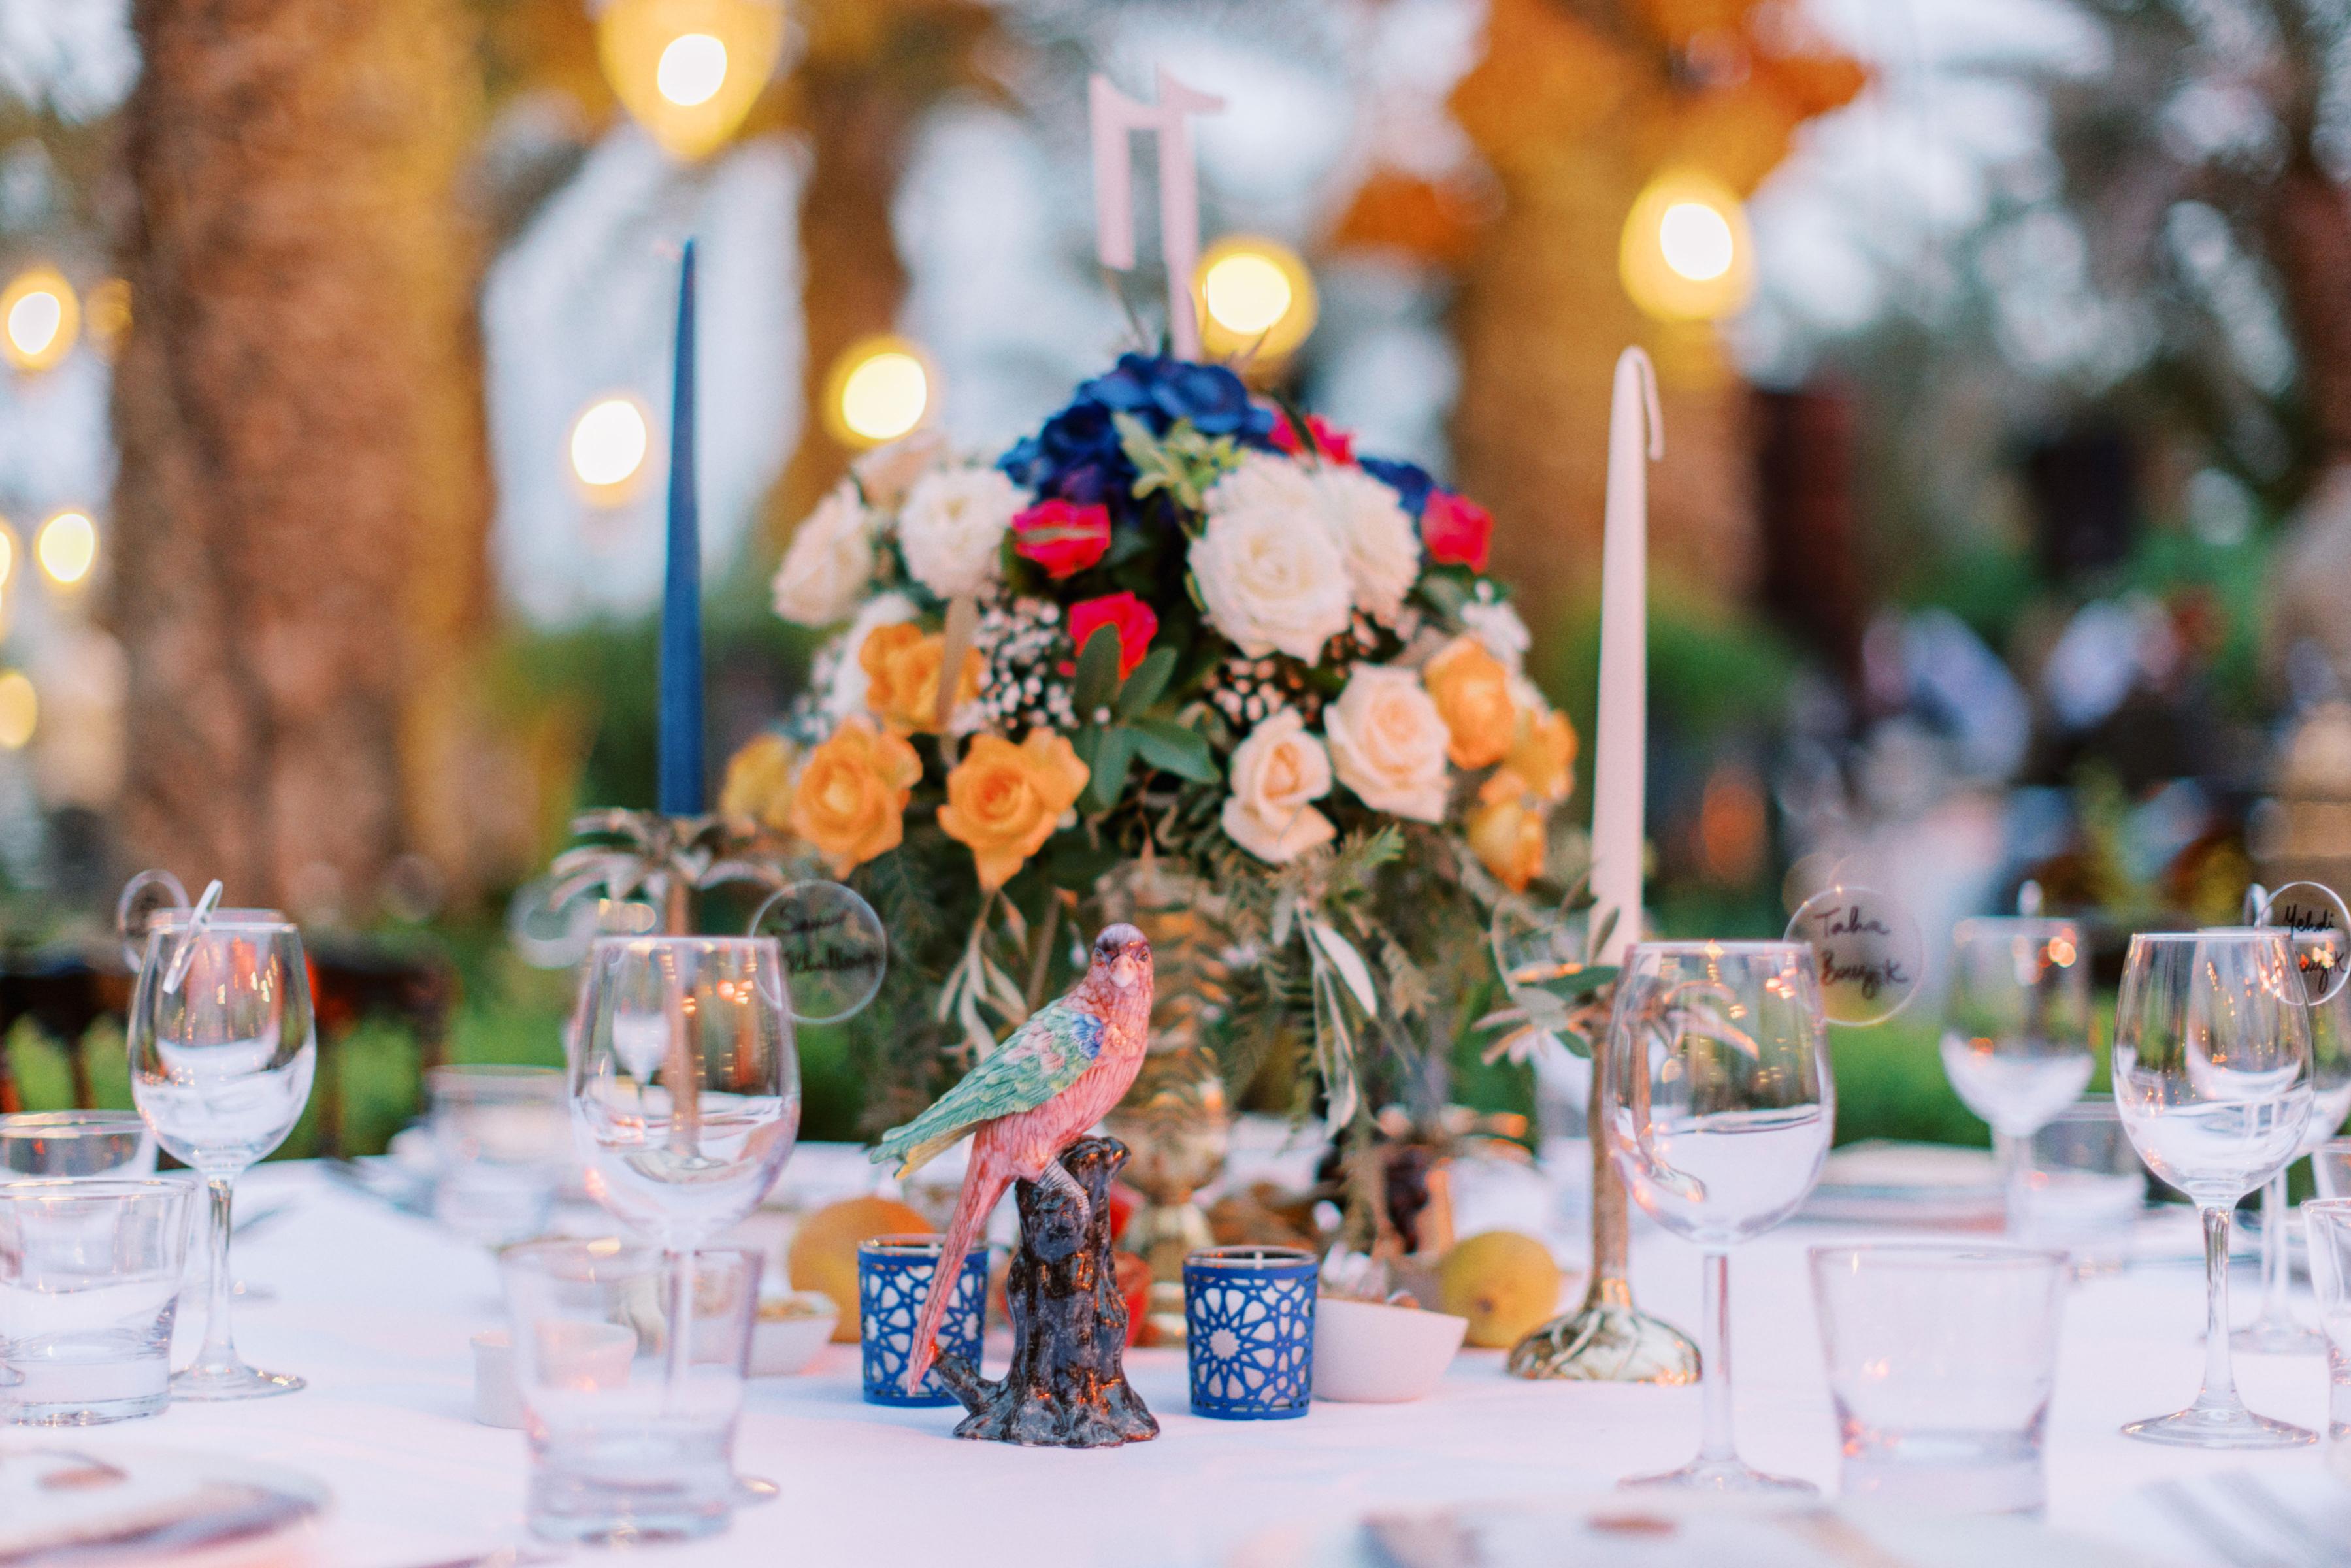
1607 1341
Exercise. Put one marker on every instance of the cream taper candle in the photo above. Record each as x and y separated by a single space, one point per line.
1620 731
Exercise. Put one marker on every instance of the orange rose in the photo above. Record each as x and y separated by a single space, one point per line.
1508 831
901 676
1542 756
1473 692
759 781
1003 801
851 801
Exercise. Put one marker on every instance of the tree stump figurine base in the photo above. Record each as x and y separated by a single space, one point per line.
1066 1387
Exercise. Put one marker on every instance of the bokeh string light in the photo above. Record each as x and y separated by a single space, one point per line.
689 70
1687 254
20 709
608 443
66 547
881 388
39 319
1255 298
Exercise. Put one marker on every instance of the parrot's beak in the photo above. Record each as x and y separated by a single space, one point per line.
1125 971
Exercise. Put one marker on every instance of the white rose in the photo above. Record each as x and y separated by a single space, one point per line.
952 527
1388 742
1275 773
1270 577
844 695
1376 536
1497 625
830 563
887 473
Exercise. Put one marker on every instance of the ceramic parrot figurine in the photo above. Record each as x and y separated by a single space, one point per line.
1028 1100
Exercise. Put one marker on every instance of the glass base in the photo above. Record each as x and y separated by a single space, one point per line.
1728 1476
750 1491
2220 1426
2278 1337
90 1413
197 1385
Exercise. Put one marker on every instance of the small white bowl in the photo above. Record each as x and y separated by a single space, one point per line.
1367 1353
782 1346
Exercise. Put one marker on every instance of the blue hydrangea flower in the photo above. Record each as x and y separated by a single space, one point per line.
1077 455
1408 480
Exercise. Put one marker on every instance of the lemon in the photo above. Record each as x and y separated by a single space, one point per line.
824 1256
1505 1283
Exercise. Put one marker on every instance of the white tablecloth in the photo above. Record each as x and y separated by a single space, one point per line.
375 1308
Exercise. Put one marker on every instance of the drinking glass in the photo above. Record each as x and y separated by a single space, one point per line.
2275 1332
1940 1360
90 1279
2016 1030
2327 1224
501 1133
684 1086
221 1066
2330 1165
632 1434
75 1144
1718 1105
2083 1186
2212 1076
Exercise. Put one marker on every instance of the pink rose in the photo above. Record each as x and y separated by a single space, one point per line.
1136 623
1456 530
1331 442
1061 538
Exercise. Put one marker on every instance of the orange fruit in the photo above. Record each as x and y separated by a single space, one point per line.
823 1255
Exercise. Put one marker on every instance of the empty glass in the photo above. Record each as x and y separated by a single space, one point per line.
220 1067
1940 1359
2275 1332
1718 1105
2016 1030
502 1135
2083 1186
90 1278
75 1144
2330 1165
685 1092
2212 1076
631 1441
2327 1225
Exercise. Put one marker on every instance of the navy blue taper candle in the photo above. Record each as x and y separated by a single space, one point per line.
681 779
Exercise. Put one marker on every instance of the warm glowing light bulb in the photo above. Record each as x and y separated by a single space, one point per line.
881 391
1696 240
39 319
1246 293
8 553
608 443
66 547
1686 253
20 709
692 70
1255 296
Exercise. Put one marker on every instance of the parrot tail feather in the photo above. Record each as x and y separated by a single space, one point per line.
981 1188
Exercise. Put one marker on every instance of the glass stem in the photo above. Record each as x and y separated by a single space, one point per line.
219 1352
2274 1212
2219 1390
2009 1151
680 1324
1716 1442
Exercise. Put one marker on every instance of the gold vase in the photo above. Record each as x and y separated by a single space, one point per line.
1175 1121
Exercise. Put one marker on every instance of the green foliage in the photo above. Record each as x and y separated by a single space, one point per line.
1183 464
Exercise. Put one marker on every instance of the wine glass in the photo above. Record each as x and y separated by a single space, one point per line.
2016 1030
684 1086
1718 1105
2275 1332
2213 1075
222 1048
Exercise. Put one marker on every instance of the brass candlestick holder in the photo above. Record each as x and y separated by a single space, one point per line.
1607 1339
666 858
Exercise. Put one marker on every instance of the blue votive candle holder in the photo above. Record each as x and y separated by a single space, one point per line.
1248 1332
893 1276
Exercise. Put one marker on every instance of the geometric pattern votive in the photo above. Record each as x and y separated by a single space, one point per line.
893 1275
1248 1332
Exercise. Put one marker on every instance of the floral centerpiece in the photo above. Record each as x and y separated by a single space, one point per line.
1180 628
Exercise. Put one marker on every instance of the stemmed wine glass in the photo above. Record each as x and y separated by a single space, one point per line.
2212 1076
1719 1105
2320 954
684 1087
221 1048
2016 1031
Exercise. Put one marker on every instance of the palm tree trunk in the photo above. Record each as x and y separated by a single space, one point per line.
302 500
